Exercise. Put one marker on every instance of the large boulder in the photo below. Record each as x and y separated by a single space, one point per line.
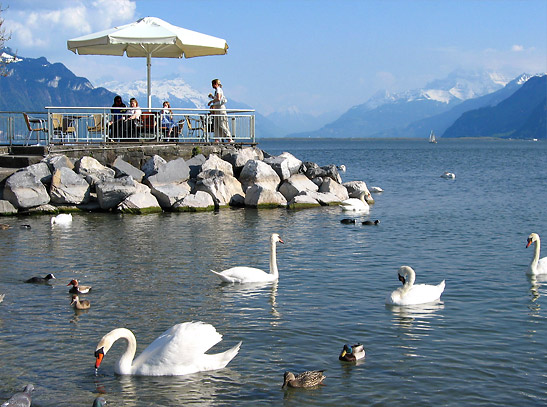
6 208
258 173
112 192
214 162
200 201
303 201
221 186
151 166
257 196
333 187
93 171
142 201
195 164
56 161
67 187
238 158
295 185
313 171
168 194
324 198
122 168
24 189
172 172
285 165
41 171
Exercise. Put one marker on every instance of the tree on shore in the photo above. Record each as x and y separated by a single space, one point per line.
3 39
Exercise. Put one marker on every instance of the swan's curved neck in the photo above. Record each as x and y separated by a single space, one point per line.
273 260
535 259
409 280
126 360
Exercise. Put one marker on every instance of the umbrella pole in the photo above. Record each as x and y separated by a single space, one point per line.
148 65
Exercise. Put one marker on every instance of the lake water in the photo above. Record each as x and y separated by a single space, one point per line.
483 345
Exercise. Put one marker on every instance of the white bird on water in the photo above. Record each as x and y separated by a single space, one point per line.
411 294
62 219
448 175
537 265
178 351
356 204
244 274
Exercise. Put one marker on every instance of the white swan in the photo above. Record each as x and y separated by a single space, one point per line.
178 351
410 294
448 175
243 274
356 204
62 219
537 265
376 190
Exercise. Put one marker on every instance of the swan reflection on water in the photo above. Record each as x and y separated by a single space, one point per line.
538 286
237 292
415 316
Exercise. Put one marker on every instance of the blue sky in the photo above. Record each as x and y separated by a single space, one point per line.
316 56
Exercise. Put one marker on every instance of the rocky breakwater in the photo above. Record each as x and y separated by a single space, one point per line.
247 177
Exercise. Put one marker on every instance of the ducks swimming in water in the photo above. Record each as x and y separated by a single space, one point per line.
371 222
40 280
411 294
77 288
178 351
243 274
62 219
79 304
348 221
537 265
4 226
310 378
351 221
22 399
352 353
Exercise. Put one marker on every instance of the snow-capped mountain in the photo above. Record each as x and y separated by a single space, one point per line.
176 91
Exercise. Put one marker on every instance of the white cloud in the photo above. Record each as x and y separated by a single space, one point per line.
517 48
66 20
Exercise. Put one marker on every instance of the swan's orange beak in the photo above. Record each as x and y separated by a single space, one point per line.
99 355
529 243
281 241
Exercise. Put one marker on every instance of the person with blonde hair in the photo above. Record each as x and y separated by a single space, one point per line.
218 109
167 122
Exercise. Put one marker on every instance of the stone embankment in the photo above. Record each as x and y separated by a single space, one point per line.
247 177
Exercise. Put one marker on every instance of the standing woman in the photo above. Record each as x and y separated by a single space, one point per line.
218 107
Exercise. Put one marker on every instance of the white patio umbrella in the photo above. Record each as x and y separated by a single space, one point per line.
148 37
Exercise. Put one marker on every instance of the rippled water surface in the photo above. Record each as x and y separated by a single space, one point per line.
483 345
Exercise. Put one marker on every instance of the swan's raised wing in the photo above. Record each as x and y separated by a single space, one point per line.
179 350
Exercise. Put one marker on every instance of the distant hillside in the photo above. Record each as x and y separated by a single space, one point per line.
521 115
33 83
390 115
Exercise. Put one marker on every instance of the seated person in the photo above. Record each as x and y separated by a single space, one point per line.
132 119
117 115
167 122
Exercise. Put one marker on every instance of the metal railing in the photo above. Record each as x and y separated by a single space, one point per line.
74 125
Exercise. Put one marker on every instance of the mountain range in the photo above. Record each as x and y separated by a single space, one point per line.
463 104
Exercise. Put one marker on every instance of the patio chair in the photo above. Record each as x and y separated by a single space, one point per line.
147 127
34 124
61 126
98 125
195 125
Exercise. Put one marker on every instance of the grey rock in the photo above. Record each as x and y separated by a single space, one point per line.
238 158
195 202
195 164
67 187
355 188
168 194
56 161
122 168
6 208
173 172
214 162
93 171
41 171
333 187
295 185
303 201
151 166
258 173
142 201
111 193
221 186
324 198
23 189
257 196
313 171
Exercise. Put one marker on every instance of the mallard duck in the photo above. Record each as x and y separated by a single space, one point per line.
99 402
77 288
371 222
40 280
4 226
77 304
309 378
352 353
25 226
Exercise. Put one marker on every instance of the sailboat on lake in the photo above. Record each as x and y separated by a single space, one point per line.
432 138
